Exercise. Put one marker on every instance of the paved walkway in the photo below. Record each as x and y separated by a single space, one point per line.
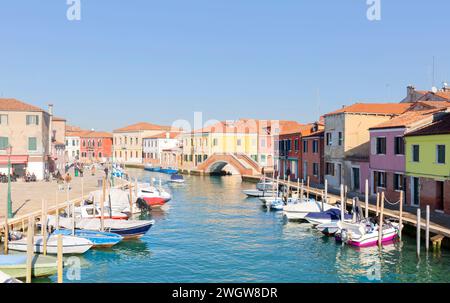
27 197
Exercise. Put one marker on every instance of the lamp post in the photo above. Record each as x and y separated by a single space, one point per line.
9 151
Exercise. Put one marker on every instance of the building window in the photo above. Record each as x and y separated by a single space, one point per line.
381 145
305 146
296 144
3 119
415 153
329 139
99 143
399 146
32 120
4 143
137 141
341 139
379 179
32 144
99 154
329 169
263 142
215 142
440 154
131 141
316 169
315 146
239 142
399 182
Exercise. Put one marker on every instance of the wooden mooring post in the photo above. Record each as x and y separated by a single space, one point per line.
427 228
366 200
342 201
418 232
400 221
102 205
307 186
30 249
380 224
59 259
378 204
44 226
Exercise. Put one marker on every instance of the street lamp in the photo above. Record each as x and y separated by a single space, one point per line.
9 152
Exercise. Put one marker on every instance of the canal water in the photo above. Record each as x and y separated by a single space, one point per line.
213 233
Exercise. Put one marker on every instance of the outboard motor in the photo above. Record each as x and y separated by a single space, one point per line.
142 204
344 235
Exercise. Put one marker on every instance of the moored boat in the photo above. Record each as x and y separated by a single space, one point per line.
98 238
366 232
298 211
71 245
328 216
168 170
15 265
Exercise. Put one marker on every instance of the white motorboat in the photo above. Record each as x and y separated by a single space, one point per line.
366 232
259 193
298 211
265 185
71 245
126 228
91 211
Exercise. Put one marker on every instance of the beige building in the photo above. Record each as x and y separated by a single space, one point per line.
127 141
347 140
25 128
58 155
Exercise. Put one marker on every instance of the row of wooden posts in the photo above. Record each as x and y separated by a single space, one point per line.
380 199
44 228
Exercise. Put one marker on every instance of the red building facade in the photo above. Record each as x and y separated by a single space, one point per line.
96 146
313 156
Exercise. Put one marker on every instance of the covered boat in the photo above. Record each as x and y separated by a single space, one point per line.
98 238
298 211
328 216
15 265
176 178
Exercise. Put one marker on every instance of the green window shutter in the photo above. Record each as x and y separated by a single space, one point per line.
32 144
3 143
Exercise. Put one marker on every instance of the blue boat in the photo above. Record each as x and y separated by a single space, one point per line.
152 168
98 238
331 215
168 170
176 178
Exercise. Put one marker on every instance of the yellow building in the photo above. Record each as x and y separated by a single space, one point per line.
226 137
127 144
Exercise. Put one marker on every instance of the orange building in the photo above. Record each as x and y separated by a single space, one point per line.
95 146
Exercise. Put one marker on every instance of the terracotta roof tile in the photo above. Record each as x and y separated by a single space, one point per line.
141 126
373 108
16 105
96 134
439 127
163 135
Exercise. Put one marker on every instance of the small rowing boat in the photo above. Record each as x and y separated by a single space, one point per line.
176 178
98 238
15 266
71 245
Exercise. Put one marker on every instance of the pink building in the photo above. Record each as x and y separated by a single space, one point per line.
387 148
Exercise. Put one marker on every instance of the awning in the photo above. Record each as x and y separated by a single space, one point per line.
14 160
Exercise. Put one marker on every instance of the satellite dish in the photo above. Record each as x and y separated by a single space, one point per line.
434 89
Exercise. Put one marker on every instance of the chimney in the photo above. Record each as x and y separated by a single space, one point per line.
50 109
167 135
410 89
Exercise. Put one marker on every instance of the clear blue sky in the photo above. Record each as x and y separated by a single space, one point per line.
161 60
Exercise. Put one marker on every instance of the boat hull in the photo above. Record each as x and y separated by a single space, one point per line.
99 239
42 266
71 245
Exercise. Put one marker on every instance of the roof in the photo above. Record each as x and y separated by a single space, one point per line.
319 133
302 129
163 135
95 134
55 118
439 127
248 126
18 106
418 111
141 126
373 108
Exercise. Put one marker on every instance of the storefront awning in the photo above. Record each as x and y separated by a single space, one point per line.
14 160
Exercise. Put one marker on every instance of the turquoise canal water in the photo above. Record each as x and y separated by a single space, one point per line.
212 233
